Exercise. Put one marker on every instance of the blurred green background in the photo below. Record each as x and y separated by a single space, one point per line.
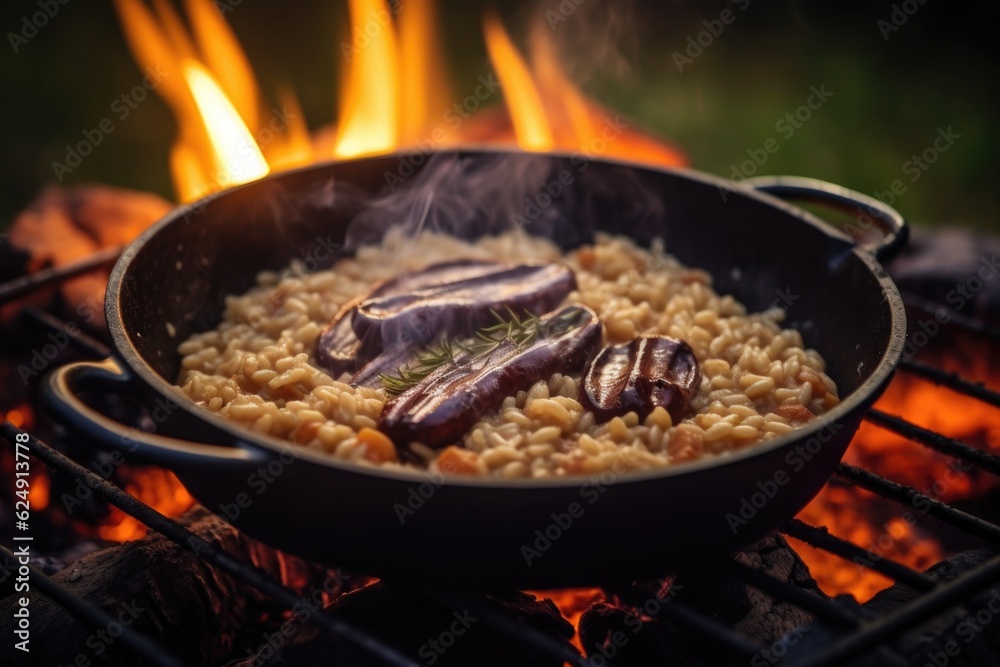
890 96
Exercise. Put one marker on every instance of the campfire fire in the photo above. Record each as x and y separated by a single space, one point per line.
227 134
395 96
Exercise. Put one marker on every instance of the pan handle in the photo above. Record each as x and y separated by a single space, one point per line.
61 392
868 210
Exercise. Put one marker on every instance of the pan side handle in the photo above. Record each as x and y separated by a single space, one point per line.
868 210
61 392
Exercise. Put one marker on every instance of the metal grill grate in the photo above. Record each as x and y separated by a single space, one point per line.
853 633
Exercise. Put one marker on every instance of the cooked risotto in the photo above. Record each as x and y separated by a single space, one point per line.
258 368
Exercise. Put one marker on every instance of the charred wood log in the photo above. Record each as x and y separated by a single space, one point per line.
429 632
644 639
63 226
167 593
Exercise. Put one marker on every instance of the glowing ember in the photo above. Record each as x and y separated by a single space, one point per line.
887 530
572 602
17 417
157 488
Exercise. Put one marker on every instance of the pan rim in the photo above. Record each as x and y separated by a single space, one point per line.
864 395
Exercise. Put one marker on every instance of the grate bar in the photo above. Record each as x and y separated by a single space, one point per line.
187 540
782 590
96 618
79 339
905 495
821 538
907 617
955 318
695 621
941 443
26 284
503 623
952 381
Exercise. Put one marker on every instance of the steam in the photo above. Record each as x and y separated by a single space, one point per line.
469 194
463 195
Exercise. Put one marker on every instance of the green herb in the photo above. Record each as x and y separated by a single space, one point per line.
522 331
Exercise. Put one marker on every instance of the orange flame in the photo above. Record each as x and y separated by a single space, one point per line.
527 113
395 94
237 156
369 113
156 487
209 85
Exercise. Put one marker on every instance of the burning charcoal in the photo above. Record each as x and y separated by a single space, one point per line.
452 298
624 636
638 376
439 408
713 591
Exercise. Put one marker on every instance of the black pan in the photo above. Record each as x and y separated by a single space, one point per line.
529 533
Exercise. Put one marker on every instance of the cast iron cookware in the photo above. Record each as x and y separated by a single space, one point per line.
486 532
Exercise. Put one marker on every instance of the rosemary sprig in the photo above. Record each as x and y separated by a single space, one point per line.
521 330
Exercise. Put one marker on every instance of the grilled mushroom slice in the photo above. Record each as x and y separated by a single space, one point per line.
640 375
